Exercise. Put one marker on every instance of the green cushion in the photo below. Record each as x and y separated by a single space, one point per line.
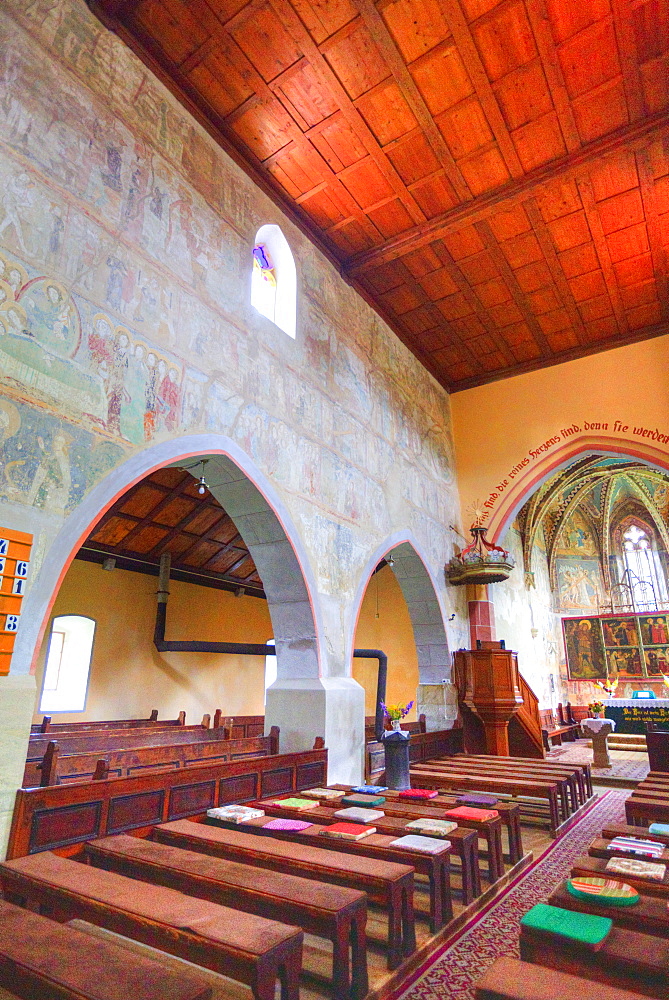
366 801
585 928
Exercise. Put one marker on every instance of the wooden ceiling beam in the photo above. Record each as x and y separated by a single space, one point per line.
149 518
386 45
576 164
543 36
586 192
477 74
542 233
292 23
654 229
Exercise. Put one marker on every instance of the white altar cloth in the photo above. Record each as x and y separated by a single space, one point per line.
594 725
636 703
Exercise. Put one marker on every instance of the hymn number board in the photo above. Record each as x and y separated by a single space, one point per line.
15 549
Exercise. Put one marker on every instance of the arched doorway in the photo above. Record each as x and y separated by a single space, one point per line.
272 542
400 612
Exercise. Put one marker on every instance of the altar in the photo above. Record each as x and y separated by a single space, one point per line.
631 714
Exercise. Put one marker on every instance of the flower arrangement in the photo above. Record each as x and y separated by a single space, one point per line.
596 708
610 687
396 712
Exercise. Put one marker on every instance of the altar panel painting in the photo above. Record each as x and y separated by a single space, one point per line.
585 651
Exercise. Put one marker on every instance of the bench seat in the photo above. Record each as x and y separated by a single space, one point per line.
589 866
250 949
648 916
329 911
388 884
510 979
40 958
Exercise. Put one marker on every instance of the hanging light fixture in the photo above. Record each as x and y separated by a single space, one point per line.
202 486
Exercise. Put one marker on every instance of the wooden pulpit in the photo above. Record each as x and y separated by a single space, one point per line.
491 690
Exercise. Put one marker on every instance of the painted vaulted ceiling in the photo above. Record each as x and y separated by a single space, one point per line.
493 175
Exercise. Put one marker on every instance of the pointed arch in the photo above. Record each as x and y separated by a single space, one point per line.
274 279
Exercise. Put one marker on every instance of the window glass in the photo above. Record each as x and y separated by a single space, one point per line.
274 279
68 663
270 669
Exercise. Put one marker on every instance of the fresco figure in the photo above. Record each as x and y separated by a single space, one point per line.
16 197
585 652
116 391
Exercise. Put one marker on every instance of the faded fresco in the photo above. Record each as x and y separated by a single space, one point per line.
125 264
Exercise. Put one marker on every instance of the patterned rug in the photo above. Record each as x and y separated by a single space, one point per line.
627 765
456 968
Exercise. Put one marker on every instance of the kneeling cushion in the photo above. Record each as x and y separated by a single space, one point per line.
586 929
606 891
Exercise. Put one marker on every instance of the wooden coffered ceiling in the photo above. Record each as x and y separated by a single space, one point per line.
165 513
493 175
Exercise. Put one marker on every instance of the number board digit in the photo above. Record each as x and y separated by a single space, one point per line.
21 567
19 586
2 564
4 546
12 623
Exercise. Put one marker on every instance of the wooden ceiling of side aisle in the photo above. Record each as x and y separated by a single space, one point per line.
492 175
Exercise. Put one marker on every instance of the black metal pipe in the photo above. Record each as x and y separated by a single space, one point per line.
195 645
377 654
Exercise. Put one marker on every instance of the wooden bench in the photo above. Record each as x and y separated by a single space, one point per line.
455 780
570 779
47 724
422 747
81 967
600 848
612 830
490 830
419 726
121 739
333 912
590 866
582 772
56 768
628 960
464 843
239 727
553 730
388 884
648 916
435 867
247 948
510 979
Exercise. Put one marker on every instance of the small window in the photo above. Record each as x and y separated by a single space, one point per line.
274 279
270 669
68 662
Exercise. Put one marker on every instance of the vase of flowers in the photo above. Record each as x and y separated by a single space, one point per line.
395 714
596 709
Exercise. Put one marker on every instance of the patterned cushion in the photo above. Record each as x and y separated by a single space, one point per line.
364 801
467 812
635 845
639 869
369 789
606 891
287 824
426 845
294 803
587 929
235 814
432 827
355 815
321 793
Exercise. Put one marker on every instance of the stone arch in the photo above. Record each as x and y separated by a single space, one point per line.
523 488
435 691
261 518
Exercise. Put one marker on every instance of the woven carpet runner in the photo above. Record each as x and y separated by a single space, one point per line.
454 971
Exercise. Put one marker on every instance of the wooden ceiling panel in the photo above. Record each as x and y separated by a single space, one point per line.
174 510
493 174
140 502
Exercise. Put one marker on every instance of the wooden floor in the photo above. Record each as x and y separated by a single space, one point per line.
317 953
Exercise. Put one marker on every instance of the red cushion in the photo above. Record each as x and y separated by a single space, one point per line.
418 793
466 812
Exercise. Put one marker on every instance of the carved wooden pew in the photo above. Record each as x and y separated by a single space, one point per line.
388 884
582 772
336 913
451 780
490 830
510 979
121 739
239 727
567 783
247 948
423 746
464 843
435 867
47 725
55 768
81 966
553 729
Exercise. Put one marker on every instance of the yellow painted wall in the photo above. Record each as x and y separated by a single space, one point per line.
391 632
501 425
129 677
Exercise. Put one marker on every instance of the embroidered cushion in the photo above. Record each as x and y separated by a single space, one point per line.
468 812
347 831
321 793
355 815
235 814
364 801
587 929
419 793
432 827
426 845
287 824
477 799
602 890
636 845
639 869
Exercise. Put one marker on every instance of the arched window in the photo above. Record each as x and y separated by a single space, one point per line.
274 279
68 663
641 580
270 669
